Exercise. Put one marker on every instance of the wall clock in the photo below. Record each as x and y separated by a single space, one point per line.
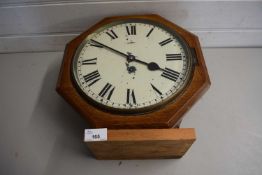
133 72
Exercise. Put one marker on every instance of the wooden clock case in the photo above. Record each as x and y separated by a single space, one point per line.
166 117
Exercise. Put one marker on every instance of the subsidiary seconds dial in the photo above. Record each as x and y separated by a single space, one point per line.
132 66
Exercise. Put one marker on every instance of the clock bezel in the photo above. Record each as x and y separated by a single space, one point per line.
168 116
135 111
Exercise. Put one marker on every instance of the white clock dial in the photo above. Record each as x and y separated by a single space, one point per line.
132 66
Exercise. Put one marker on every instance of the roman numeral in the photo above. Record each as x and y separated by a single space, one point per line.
112 34
162 43
131 30
170 74
158 91
92 77
130 96
107 91
172 57
149 33
89 61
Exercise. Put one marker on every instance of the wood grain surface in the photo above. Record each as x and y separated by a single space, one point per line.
143 144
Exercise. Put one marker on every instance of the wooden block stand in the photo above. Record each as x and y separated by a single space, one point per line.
143 144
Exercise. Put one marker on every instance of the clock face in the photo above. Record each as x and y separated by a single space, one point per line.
132 66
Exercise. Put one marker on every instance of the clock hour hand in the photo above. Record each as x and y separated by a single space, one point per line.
151 66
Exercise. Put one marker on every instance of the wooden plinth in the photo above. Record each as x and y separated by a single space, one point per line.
144 144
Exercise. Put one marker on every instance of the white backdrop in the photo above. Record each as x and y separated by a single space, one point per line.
44 25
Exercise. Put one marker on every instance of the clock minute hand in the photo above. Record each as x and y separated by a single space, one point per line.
110 48
151 66
130 57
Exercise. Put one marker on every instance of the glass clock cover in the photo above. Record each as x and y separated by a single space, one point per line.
132 66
